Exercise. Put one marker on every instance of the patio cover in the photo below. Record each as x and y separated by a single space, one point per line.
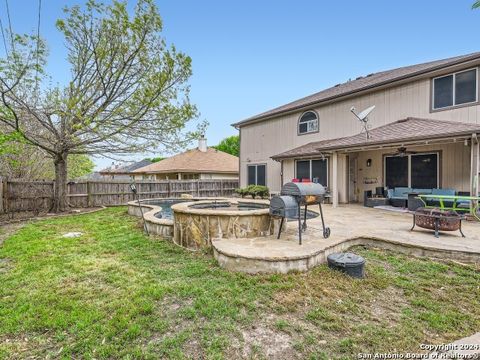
402 131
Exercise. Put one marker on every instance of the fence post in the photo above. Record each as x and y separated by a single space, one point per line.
6 197
89 194
1 196
169 190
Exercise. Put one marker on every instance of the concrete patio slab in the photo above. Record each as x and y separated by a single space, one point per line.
350 225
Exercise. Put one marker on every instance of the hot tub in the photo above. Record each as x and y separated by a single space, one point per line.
158 214
197 223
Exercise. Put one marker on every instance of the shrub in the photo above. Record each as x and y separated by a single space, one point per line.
241 192
254 191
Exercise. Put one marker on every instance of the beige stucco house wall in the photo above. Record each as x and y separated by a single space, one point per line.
261 139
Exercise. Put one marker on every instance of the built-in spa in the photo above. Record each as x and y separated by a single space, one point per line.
197 223
193 223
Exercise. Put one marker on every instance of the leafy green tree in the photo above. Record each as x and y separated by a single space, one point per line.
155 159
476 5
230 145
7 142
19 160
128 90
80 165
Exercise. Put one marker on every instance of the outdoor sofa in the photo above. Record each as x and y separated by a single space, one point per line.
399 196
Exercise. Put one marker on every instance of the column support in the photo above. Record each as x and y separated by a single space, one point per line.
335 179
474 170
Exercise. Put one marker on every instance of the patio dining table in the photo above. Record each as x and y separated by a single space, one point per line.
453 202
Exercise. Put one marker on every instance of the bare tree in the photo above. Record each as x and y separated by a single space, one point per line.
128 90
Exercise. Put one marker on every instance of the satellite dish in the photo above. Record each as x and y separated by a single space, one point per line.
363 117
364 114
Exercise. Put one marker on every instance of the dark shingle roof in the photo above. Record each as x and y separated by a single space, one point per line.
405 130
363 83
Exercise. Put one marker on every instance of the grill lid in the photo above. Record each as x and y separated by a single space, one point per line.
283 202
303 189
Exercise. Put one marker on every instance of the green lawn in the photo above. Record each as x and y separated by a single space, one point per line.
114 293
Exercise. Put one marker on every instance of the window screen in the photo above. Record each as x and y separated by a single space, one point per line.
456 89
319 171
424 174
256 175
396 171
443 92
261 175
252 174
303 169
466 87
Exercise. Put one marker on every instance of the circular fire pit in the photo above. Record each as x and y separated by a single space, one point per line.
197 223
447 220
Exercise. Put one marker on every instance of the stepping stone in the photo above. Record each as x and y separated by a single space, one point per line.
72 235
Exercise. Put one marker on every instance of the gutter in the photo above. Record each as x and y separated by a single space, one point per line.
380 145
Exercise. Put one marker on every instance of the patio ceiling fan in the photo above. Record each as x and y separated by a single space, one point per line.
402 151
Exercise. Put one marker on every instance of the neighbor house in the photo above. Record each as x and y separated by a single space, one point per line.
122 171
202 162
423 133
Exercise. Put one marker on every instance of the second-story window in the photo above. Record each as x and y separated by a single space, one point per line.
308 123
455 89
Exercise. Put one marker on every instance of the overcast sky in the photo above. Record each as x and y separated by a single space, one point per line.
249 56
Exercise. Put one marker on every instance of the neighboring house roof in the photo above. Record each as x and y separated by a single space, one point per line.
409 129
195 161
127 168
368 82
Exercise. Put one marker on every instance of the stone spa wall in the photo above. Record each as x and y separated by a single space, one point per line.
194 228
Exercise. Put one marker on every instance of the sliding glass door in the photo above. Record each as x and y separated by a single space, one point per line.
396 171
418 171
424 171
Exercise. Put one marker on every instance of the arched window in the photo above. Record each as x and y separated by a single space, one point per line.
308 123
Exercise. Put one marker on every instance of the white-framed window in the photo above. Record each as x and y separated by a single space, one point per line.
455 89
256 174
308 123
315 170
418 171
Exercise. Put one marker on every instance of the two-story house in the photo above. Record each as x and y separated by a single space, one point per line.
423 133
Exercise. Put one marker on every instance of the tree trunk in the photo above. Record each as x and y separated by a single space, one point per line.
60 202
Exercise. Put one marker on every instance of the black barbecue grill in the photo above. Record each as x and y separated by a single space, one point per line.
292 197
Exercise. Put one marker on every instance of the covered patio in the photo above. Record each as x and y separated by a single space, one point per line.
350 225
411 153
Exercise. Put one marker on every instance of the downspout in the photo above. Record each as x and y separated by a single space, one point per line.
334 179
281 172
476 167
239 156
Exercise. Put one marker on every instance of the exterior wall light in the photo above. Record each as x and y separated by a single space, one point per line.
369 162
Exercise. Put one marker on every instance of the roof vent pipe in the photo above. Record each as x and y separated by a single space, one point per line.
202 144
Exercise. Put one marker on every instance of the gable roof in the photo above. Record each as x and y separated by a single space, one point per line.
409 129
368 82
127 168
194 161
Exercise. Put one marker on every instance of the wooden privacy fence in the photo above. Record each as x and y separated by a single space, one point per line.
37 196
